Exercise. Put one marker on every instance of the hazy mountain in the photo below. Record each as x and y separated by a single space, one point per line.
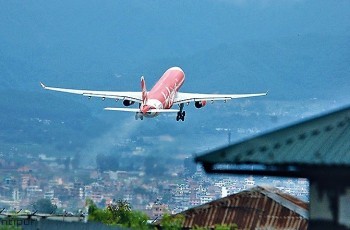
298 50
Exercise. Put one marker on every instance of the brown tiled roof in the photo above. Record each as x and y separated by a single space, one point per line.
257 208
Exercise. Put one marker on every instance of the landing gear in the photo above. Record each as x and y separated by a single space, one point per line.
181 114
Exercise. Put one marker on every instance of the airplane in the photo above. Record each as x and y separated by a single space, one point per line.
160 99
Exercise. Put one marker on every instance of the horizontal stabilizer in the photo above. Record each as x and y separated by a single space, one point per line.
123 109
138 110
163 110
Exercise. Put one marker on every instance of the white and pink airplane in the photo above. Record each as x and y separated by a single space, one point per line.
160 99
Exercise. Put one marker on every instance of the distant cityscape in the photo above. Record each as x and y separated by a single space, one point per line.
180 187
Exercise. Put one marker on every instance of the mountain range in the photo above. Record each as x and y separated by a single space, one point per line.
297 50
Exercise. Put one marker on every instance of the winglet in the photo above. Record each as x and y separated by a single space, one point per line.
42 85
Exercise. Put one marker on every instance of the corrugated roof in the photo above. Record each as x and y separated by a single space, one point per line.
257 208
324 140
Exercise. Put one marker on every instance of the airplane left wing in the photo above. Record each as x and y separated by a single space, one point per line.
193 97
131 96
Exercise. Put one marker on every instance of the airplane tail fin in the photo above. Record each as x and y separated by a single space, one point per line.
144 90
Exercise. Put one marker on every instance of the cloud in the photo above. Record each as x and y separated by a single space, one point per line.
166 138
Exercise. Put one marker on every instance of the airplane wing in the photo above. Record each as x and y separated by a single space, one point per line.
131 96
193 97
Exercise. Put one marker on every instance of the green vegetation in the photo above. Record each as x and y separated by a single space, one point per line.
9 227
219 227
119 214
170 222
44 206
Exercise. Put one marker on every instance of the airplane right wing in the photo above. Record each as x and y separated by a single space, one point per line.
131 96
193 97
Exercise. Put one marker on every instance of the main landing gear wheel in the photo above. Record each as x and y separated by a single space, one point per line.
181 114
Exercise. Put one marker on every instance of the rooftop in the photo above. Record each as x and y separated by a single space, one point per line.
251 209
316 142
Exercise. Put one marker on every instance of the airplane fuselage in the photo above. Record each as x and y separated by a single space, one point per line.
163 93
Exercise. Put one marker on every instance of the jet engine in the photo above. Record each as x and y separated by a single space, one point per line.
128 102
200 104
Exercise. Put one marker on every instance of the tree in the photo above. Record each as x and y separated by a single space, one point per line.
170 222
118 214
120 211
44 206
138 220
